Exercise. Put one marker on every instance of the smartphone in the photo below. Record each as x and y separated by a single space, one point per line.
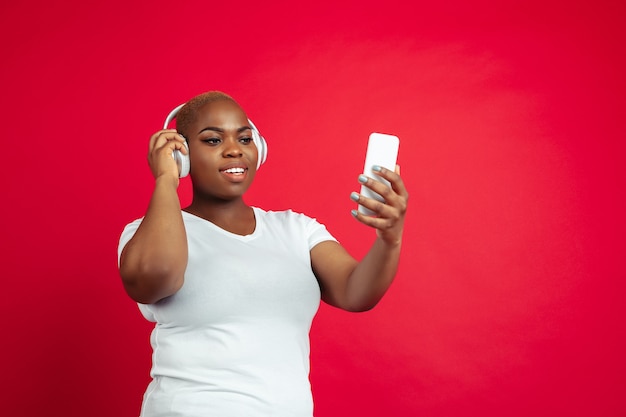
382 150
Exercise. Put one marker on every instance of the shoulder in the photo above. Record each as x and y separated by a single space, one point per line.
295 225
284 216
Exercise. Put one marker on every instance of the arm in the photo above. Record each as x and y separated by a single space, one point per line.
153 262
358 286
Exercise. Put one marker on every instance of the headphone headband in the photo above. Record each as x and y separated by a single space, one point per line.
172 115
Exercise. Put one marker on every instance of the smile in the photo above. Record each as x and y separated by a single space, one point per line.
235 174
234 170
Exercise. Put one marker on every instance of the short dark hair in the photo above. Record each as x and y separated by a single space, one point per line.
187 114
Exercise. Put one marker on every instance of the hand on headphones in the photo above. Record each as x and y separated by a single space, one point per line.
160 153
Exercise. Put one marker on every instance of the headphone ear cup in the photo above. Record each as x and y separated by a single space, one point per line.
182 161
261 146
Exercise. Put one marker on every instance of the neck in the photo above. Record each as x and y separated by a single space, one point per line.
234 216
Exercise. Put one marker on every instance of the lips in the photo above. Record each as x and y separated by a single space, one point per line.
234 171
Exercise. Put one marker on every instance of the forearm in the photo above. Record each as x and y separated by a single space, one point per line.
153 262
371 277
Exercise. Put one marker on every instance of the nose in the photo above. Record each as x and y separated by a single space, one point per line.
232 148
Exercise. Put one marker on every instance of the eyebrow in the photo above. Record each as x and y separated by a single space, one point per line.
219 130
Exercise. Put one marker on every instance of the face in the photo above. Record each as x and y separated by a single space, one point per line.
222 154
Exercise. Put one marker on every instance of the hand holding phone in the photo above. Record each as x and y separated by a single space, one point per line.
382 150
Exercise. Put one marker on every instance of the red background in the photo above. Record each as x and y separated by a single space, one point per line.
510 296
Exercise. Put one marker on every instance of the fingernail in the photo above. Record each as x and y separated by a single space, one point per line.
376 168
354 196
354 213
362 179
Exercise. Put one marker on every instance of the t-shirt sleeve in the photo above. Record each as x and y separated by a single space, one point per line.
317 233
127 234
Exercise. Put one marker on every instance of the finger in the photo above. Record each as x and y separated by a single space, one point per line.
381 209
394 178
163 137
387 174
381 223
159 134
180 146
371 204
387 193
163 143
391 199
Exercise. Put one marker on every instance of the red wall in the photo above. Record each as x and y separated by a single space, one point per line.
510 296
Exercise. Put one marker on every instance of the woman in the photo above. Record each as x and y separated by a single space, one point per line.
232 288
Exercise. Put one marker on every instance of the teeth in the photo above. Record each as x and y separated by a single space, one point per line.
234 170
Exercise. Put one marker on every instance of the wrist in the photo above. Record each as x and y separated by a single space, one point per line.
167 180
392 242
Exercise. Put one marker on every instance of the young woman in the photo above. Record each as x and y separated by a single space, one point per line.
233 288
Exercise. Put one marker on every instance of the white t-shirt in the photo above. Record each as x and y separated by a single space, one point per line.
234 340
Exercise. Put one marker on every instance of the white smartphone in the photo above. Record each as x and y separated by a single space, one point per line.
382 150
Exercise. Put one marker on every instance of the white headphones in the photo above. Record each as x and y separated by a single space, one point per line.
183 160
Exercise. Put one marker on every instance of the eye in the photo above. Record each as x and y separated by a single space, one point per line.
245 140
212 141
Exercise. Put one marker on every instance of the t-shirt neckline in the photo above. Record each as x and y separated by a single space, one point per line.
256 232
